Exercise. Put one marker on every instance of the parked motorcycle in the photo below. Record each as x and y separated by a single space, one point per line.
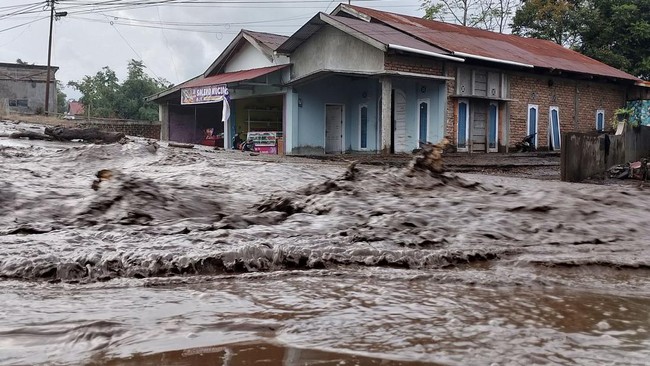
527 144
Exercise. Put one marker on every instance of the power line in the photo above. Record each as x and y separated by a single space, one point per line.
210 24
171 53
23 24
179 28
18 36
133 49
26 10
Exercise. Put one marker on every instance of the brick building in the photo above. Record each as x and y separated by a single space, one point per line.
22 88
367 81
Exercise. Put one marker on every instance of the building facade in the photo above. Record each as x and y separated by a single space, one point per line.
22 88
360 80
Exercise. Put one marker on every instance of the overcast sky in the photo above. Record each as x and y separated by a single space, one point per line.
176 41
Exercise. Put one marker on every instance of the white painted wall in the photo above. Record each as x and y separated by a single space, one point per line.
247 58
332 49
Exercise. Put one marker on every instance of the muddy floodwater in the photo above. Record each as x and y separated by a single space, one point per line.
202 257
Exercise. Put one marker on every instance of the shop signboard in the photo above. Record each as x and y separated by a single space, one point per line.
203 94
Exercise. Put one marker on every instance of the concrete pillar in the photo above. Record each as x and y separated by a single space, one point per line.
290 120
386 114
163 116
576 107
226 129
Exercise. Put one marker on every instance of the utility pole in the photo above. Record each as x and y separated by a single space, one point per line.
49 59
53 15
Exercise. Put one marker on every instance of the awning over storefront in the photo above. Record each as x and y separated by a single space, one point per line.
232 77
218 81
215 88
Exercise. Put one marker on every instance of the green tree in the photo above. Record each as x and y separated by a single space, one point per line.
555 20
104 96
61 102
617 32
136 87
99 92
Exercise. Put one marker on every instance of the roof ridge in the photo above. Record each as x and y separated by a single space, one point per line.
267 33
474 29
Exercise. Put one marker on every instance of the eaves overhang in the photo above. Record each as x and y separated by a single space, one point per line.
369 74
312 26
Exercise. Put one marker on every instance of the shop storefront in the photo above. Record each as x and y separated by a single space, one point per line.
227 109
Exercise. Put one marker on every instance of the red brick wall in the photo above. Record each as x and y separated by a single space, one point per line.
560 92
533 89
130 128
452 105
413 64
525 89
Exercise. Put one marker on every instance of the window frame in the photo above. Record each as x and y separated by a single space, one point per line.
531 106
467 112
600 111
551 128
427 101
496 132
361 106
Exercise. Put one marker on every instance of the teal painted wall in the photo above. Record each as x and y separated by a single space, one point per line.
348 91
353 92
417 90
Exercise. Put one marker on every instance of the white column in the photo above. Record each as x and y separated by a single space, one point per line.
386 130
290 120
163 116
226 134
226 125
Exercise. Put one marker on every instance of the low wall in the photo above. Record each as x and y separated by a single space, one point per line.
146 129
589 156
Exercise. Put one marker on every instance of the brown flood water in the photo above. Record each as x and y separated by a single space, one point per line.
206 258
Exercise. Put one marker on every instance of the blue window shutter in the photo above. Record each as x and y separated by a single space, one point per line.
533 121
424 113
600 121
364 127
492 123
462 124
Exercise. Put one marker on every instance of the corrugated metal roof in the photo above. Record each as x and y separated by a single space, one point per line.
378 32
171 90
456 38
272 41
231 77
385 34
307 30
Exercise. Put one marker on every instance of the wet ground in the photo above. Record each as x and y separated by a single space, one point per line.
197 257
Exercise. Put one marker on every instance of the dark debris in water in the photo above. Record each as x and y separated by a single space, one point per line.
174 212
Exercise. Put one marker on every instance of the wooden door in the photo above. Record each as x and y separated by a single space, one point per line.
479 125
333 128
400 121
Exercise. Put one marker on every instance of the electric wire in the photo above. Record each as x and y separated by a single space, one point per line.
23 24
171 53
134 51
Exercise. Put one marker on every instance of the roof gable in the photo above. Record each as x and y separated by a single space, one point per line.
375 34
270 40
265 43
